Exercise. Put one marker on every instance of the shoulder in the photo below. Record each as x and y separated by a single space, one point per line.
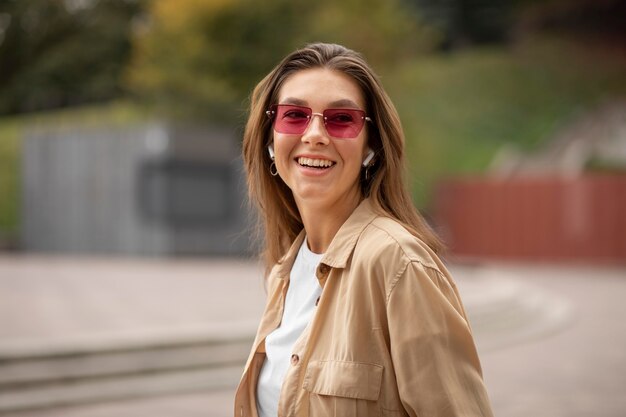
386 251
386 239
391 254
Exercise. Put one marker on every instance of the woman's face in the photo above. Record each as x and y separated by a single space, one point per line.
321 170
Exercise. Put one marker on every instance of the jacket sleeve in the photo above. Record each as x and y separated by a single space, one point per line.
435 360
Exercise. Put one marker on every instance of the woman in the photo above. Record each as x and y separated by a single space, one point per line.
362 318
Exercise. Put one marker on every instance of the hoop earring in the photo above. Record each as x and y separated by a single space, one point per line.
273 169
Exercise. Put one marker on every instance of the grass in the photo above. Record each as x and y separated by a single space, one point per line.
459 110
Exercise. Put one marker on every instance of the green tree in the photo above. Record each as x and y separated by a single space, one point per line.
56 53
468 22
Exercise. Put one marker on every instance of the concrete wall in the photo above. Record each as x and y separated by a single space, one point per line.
150 189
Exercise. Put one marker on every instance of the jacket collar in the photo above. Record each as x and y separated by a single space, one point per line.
342 245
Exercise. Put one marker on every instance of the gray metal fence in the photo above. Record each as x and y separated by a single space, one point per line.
149 189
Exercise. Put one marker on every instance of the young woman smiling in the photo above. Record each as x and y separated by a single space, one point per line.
362 317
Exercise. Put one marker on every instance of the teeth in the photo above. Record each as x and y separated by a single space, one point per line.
323 163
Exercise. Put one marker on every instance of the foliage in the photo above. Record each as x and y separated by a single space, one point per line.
56 53
202 58
9 160
468 22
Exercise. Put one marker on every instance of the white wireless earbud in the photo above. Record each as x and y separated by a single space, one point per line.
270 149
368 158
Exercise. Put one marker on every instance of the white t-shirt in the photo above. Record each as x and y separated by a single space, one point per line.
302 293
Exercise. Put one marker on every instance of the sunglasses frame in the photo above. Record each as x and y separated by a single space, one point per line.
273 111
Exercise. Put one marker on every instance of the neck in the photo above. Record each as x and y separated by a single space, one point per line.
322 221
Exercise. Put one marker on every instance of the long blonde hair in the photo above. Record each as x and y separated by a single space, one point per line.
385 183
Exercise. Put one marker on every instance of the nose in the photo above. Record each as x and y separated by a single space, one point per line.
315 132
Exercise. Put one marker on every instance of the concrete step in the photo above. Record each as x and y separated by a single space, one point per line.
119 387
116 367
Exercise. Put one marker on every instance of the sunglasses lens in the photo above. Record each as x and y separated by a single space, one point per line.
344 123
291 119
339 123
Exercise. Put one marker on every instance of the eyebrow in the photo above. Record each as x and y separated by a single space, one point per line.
344 103
294 101
337 103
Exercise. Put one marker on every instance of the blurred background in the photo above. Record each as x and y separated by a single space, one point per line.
128 282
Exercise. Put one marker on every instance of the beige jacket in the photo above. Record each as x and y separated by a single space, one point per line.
389 337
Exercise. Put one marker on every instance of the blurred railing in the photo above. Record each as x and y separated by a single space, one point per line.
551 219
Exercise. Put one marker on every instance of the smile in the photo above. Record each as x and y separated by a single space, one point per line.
315 163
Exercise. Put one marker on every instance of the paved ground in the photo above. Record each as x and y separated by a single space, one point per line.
580 370
577 368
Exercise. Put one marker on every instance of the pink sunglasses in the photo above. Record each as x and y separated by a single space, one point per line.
339 123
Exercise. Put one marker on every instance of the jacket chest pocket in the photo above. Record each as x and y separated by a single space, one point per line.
343 389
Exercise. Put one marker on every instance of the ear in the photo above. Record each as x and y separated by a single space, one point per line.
368 158
270 149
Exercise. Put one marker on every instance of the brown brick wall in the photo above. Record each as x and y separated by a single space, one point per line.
552 219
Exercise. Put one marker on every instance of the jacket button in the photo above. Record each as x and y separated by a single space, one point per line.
317 301
295 359
324 268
